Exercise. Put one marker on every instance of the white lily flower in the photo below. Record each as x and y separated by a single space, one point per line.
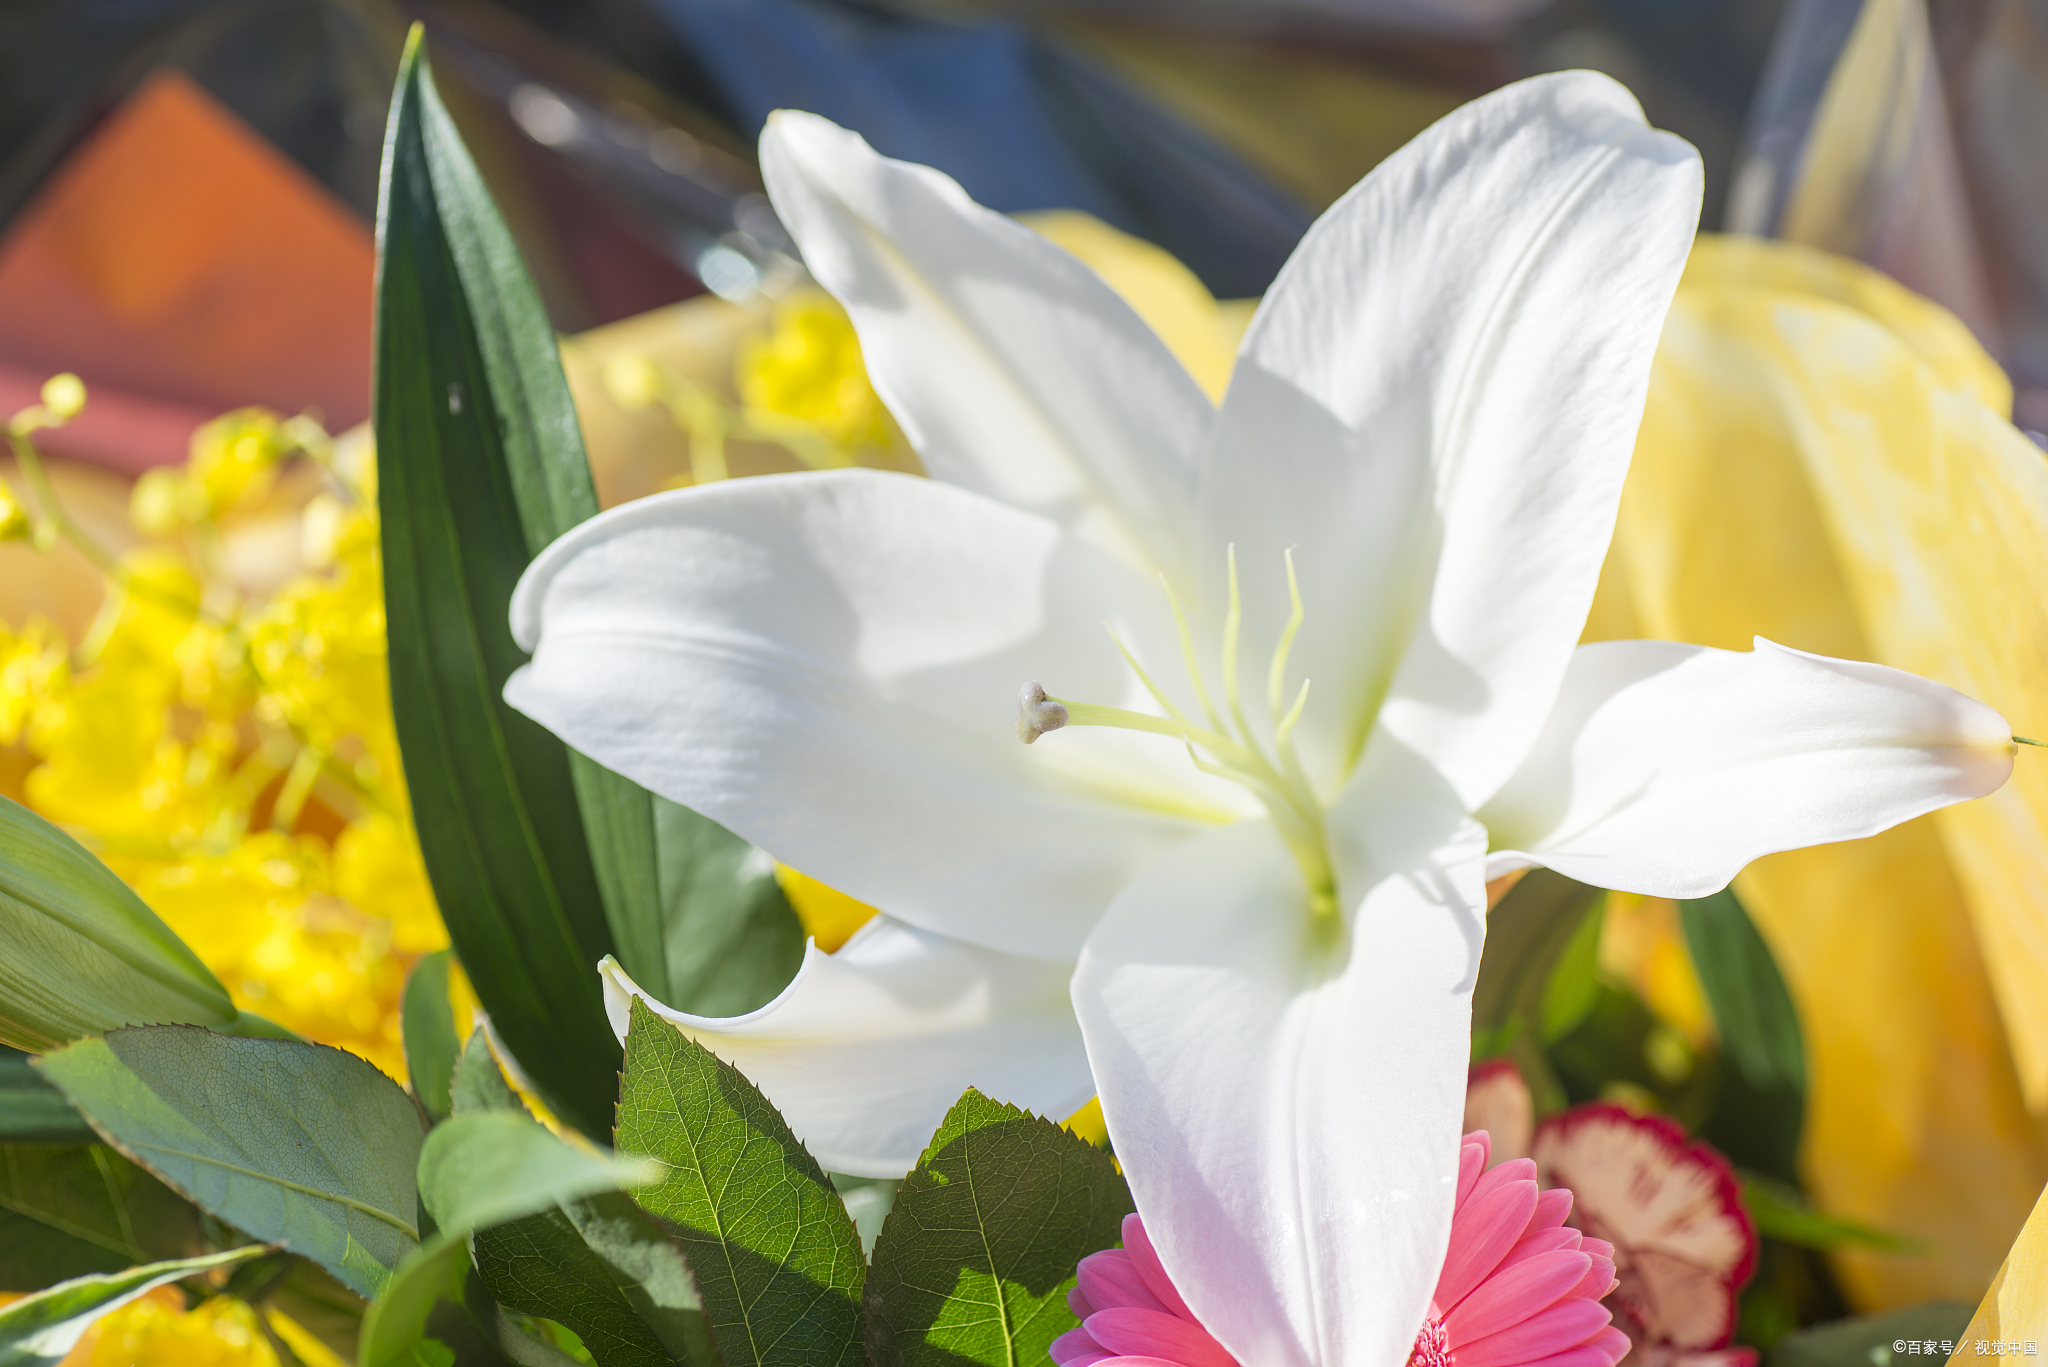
1315 656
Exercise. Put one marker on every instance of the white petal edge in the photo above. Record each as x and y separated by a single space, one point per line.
1666 767
866 1049
1288 1114
828 664
1014 370
1435 407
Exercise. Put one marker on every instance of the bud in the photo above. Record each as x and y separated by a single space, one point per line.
63 398
634 382
234 457
154 506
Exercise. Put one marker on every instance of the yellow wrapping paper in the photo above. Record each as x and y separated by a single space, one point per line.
1824 460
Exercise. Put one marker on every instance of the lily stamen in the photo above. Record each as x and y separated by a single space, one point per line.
1277 780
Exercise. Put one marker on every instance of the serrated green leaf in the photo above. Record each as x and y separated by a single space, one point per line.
84 955
600 1266
41 1330
776 1256
427 1023
1867 1340
604 1269
397 1319
732 940
976 1258
299 1145
541 864
492 1166
70 1210
1761 1109
32 1110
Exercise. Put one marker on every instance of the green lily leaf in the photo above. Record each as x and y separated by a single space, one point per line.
427 1022
32 1110
732 939
977 1256
492 1166
1867 1341
542 862
1762 1104
70 1210
479 1084
84 955
1782 1213
41 1330
299 1145
776 1255
1529 934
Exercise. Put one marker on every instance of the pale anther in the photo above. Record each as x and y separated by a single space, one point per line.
1037 714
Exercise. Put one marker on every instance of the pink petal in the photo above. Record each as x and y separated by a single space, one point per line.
1076 1348
1615 1344
1515 1294
1485 1228
1599 1280
1138 1244
1154 1333
1078 1303
1110 1279
1585 1355
1471 1162
1514 1170
1551 1208
1564 1325
1541 1241
1135 1361
1599 1248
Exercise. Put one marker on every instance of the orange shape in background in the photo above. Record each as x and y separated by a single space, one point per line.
183 266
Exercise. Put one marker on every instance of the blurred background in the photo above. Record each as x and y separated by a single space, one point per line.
169 161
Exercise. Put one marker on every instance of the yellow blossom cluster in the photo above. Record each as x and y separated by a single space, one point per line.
231 752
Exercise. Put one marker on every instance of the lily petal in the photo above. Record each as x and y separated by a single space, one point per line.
864 1052
828 665
1014 370
1667 767
1285 1096
1435 407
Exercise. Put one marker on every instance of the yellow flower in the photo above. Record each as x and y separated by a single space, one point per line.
1825 460
15 523
237 763
235 457
157 1331
808 366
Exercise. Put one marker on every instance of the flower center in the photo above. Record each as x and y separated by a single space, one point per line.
1222 741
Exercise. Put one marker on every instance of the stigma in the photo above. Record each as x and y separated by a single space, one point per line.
1038 714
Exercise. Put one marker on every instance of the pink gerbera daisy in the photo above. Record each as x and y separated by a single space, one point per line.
1519 1288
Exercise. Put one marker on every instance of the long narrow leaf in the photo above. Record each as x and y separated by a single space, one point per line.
541 862
1762 1107
40 1331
